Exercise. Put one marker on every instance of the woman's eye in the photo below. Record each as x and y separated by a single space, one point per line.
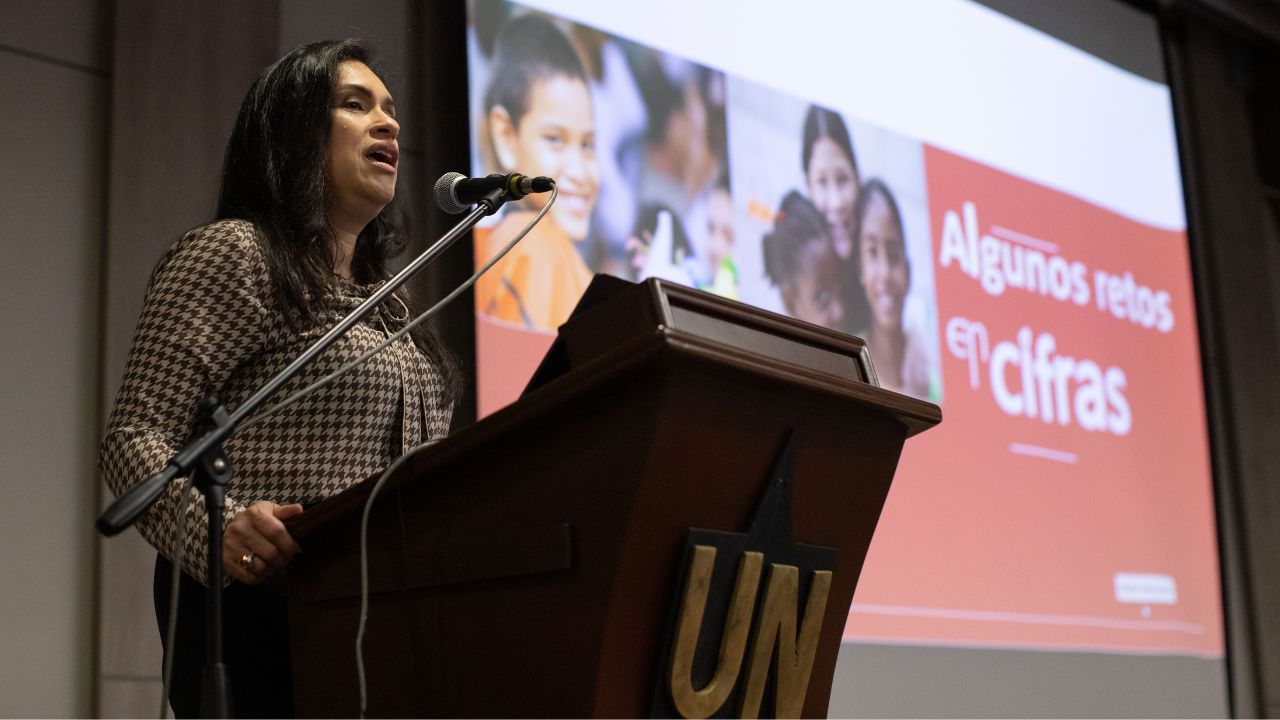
353 105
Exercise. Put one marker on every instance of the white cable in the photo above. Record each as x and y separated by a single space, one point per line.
377 486
364 578
555 191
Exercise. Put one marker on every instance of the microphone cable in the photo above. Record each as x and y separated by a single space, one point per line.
382 479
377 486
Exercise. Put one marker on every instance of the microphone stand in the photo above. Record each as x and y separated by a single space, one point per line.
210 469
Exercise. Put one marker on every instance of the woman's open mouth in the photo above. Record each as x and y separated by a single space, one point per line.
385 156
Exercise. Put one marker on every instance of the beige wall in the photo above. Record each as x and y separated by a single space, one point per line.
54 76
180 70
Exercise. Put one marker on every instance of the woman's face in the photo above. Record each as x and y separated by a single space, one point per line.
833 186
885 273
813 294
556 137
363 153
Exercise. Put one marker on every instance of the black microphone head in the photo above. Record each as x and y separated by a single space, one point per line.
446 198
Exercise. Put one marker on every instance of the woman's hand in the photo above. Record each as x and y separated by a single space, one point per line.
258 535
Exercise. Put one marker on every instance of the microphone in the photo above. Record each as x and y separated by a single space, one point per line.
456 192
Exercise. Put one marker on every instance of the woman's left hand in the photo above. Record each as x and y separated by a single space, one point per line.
256 543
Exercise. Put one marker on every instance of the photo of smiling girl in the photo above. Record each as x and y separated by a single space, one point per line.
885 277
801 260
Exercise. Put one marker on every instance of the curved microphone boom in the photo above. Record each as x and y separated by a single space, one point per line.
456 192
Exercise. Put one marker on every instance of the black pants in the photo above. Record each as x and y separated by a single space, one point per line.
255 630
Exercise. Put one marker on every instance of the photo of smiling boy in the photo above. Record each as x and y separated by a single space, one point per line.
539 121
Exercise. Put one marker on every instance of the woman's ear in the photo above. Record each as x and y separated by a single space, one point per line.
502 133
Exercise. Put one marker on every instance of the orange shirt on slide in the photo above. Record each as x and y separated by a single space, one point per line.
539 282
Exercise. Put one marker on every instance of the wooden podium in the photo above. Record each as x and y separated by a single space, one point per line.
648 531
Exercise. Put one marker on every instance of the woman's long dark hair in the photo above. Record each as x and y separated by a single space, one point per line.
275 176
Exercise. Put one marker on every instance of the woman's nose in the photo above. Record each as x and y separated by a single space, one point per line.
385 124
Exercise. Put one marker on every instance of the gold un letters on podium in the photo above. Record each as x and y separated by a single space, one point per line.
776 625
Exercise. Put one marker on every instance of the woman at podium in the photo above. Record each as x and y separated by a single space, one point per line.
305 224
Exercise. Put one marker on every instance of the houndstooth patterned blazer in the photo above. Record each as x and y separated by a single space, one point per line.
210 324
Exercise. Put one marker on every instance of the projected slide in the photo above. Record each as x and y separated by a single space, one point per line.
998 214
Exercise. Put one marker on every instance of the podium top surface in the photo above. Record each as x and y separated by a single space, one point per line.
614 312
